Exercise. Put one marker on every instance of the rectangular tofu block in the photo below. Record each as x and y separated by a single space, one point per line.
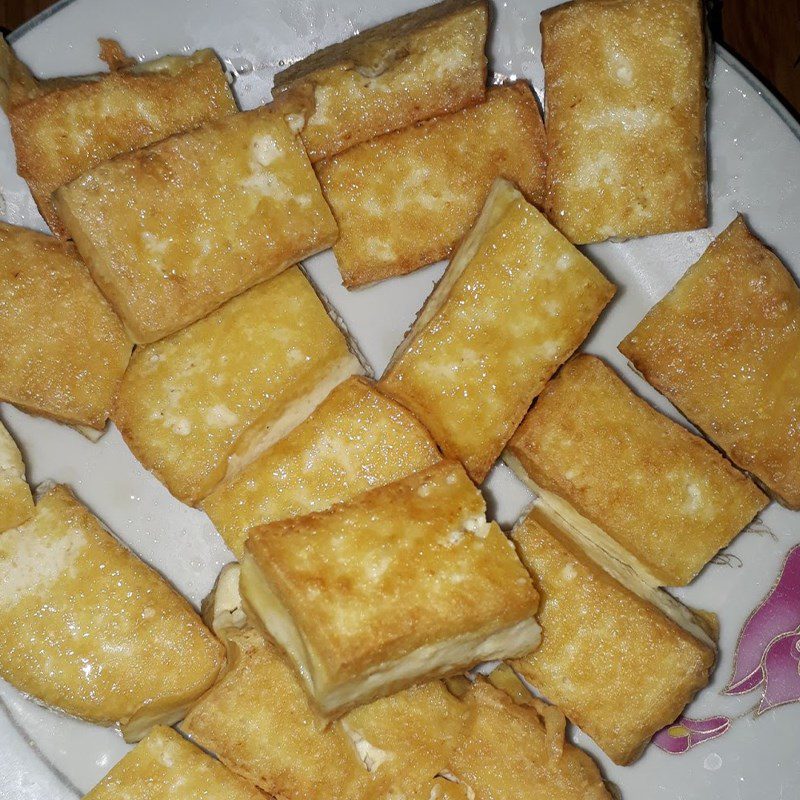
619 658
724 347
420 65
643 487
405 583
164 766
16 501
66 132
625 112
514 303
172 231
64 348
406 199
202 403
91 630
356 439
512 752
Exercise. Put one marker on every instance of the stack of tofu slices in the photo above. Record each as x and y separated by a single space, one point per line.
330 661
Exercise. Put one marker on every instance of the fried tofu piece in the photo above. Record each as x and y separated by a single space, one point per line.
511 753
17 83
406 199
64 349
724 347
92 630
514 303
406 583
16 501
244 189
620 658
164 766
202 403
648 490
81 123
625 112
420 65
355 440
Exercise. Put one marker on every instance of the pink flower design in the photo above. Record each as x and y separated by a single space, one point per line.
782 672
777 617
686 733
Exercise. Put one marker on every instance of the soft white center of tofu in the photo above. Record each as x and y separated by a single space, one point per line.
371 757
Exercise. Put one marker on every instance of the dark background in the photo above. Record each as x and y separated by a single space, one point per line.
765 34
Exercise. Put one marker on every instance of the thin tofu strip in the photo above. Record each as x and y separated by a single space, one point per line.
243 187
665 496
77 124
418 66
625 105
405 199
724 347
620 659
515 302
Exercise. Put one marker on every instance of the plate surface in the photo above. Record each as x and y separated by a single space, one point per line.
755 169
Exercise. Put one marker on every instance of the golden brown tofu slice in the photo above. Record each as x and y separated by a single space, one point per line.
407 582
417 66
17 84
200 404
66 132
724 347
64 349
242 186
511 753
620 659
16 501
90 629
164 766
650 491
355 440
514 303
625 107
406 199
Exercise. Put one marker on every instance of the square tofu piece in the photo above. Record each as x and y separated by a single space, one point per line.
164 766
355 440
407 582
203 402
82 123
90 629
16 501
626 108
621 659
406 199
513 753
420 65
643 487
64 349
515 302
724 347
173 231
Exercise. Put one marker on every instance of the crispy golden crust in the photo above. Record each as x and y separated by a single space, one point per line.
79 124
244 188
194 400
64 349
405 199
16 501
724 347
367 584
510 754
355 440
625 108
515 302
616 665
164 766
423 64
91 629
658 490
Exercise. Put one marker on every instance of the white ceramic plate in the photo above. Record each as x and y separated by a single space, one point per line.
755 168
